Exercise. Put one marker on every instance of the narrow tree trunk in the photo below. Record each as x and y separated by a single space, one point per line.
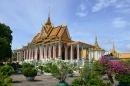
110 78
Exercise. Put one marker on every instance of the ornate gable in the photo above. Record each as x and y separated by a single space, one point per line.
65 35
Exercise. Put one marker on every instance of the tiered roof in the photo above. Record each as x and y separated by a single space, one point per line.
49 33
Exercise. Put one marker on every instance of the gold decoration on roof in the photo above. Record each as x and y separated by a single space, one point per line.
113 48
96 43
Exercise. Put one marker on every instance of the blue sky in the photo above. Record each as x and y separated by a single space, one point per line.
108 19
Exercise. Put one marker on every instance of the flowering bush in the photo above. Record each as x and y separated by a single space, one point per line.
120 69
105 63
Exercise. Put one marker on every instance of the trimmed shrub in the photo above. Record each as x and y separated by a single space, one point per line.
29 72
6 70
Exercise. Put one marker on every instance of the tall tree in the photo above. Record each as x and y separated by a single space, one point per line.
5 42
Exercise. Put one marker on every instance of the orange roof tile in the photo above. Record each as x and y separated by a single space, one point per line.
72 43
54 31
61 31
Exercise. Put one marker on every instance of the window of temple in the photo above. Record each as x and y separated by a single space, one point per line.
28 54
43 53
25 55
75 53
56 51
38 54
47 52
63 53
69 53
33 54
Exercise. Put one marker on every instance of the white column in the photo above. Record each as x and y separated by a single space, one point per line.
66 53
59 50
77 51
54 51
50 51
35 54
82 56
100 53
29 53
41 52
71 53
45 53
24 55
32 53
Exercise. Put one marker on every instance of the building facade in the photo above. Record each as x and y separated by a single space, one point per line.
55 42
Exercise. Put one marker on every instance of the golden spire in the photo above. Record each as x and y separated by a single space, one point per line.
96 43
113 48
48 20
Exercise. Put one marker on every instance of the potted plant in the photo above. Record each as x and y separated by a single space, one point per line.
86 72
72 67
59 71
29 73
41 68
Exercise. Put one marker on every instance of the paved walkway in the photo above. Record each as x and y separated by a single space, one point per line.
40 80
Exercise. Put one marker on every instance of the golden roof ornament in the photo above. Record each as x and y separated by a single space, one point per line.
96 43
48 20
113 48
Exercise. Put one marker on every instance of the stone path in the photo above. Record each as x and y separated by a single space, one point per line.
40 80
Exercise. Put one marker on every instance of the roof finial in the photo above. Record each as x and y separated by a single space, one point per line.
113 47
49 12
96 42
48 20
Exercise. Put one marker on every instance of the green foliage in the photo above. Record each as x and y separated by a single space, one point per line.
60 70
5 42
5 81
47 67
78 82
97 69
72 66
14 65
96 81
123 78
6 70
26 65
85 71
29 72
14 58
41 67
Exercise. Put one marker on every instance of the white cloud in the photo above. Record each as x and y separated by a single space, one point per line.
82 10
103 4
82 7
119 22
81 14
